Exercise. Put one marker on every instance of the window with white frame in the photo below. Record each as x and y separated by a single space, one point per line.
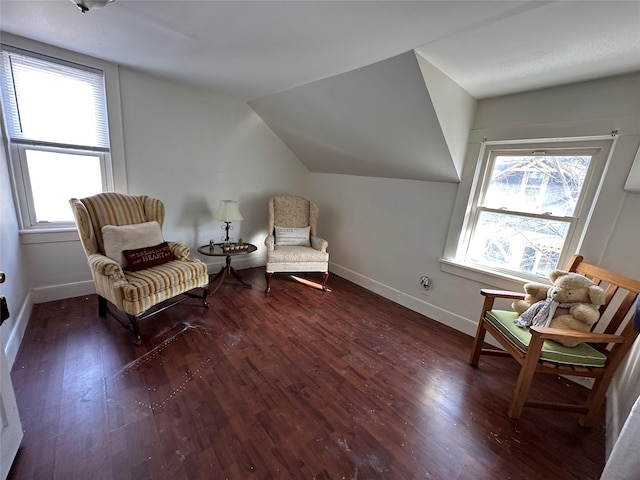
56 119
530 204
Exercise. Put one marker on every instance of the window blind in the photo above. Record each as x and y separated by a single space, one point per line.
53 102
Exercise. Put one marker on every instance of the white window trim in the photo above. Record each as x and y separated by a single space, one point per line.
116 135
452 261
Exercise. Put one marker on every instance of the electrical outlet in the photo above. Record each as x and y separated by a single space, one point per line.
426 285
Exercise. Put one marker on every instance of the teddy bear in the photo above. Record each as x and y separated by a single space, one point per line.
571 303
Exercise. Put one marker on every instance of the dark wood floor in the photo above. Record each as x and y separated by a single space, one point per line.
298 384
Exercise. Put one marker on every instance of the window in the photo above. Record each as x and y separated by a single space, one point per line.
56 118
529 205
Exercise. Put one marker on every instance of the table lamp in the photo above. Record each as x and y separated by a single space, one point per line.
228 212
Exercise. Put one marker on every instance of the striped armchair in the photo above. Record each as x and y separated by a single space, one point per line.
134 291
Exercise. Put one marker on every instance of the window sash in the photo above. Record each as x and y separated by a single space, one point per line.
577 152
475 236
17 62
26 202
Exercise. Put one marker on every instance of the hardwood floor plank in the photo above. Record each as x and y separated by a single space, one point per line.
297 384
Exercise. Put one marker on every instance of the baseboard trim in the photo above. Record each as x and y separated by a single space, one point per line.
69 290
60 292
412 303
17 334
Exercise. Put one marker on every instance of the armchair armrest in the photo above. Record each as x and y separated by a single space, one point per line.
490 296
319 243
488 292
270 242
179 250
103 265
548 333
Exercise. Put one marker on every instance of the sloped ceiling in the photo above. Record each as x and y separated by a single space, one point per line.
338 81
250 49
374 121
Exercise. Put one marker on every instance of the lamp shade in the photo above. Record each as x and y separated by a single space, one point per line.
228 211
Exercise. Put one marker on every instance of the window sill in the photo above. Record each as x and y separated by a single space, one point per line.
54 235
485 275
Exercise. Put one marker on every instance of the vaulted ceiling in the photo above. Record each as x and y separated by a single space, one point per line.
354 87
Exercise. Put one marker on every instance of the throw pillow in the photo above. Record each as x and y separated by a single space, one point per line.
117 238
292 236
147 257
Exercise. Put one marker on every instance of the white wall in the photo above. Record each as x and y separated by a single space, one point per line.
384 234
192 148
381 228
11 259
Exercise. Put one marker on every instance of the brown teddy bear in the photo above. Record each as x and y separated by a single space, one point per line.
570 303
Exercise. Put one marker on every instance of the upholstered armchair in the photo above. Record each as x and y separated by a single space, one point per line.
292 244
132 266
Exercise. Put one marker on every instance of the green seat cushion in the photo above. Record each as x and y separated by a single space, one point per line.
584 355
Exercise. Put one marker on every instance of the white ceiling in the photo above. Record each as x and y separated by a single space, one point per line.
253 49
338 81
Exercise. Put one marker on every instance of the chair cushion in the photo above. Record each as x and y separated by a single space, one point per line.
584 355
129 237
168 280
291 253
292 236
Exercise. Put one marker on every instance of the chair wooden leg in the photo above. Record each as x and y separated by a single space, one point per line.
325 277
102 306
205 292
133 320
527 370
480 332
594 401
596 397
477 343
601 385
268 276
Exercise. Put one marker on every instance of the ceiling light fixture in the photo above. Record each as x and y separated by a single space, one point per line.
86 5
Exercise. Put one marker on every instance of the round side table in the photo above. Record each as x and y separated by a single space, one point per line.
217 250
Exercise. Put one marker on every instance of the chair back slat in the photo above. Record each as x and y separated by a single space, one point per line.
612 278
610 292
620 297
622 313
